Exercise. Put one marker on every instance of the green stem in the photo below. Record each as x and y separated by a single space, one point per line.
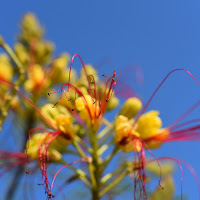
10 52
104 131
91 168
96 166
78 148
78 139
108 176
106 135
113 183
68 151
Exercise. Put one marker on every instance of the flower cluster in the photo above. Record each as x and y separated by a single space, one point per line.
60 112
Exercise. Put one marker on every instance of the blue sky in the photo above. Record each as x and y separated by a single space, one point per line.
157 36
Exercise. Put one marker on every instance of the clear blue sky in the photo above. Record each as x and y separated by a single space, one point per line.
156 35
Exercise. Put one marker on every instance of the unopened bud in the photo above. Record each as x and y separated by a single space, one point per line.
131 107
112 103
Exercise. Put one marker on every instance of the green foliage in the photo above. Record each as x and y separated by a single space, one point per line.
163 170
165 191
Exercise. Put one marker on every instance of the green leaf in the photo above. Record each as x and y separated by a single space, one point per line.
165 193
166 168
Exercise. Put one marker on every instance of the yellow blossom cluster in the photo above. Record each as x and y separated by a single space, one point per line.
129 134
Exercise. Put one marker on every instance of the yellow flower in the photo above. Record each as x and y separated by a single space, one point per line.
93 104
147 129
62 119
37 146
6 69
88 110
149 124
125 136
36 79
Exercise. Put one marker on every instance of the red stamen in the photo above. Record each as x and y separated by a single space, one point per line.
29 135
185 124
74 101
44 158
13 159
173 159
82 66
76 91
155 92
157 163
192 172
90 78
185 114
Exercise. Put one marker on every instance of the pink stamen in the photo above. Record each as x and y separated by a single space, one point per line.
157 163
173 159
29 135
192 172
185 124
74 101
44 158
14 159
90 78
185 114
82 66
155 92
76 91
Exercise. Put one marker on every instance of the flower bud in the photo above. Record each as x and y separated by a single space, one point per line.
131 107
6 70
43 51
60 70
61 62
36 79
21 53
30 27
112 103
52 113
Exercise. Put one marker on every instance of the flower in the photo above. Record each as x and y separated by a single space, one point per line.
37 80
91 103
145 131
62 119
6 69
124 134
147 126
